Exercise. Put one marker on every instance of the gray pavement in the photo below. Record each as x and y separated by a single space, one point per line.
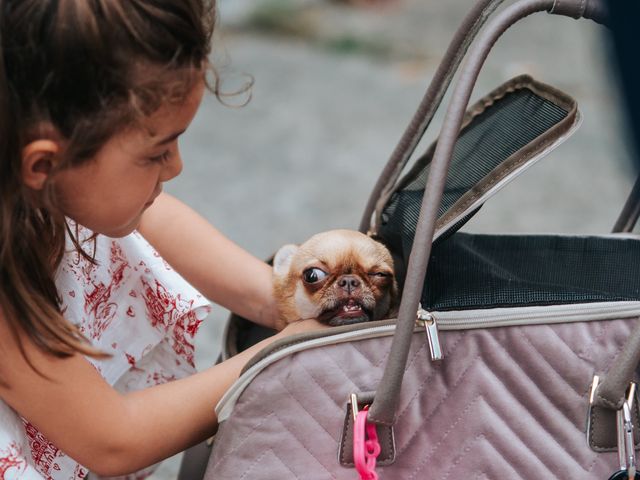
334 88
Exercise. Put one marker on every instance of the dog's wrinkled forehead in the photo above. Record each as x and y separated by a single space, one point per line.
336 247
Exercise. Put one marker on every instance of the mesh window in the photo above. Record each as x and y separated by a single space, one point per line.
502 129
490 271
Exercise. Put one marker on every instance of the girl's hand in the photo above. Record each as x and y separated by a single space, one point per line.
302 326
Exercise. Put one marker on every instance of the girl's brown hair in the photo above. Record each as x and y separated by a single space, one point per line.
87 68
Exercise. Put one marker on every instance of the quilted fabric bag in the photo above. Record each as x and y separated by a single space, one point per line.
513 356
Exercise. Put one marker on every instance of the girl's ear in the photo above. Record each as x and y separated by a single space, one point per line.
38 158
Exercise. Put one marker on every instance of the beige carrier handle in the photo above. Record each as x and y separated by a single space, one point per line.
384 405
405 148
430 103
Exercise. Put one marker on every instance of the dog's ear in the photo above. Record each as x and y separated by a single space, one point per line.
283 258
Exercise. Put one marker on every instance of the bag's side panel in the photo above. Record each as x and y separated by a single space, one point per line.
505 403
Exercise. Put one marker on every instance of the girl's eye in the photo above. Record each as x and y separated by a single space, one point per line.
163 157
313 275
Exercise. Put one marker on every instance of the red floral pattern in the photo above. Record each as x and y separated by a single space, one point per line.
167 310
11 461
130 304
44 453
98 302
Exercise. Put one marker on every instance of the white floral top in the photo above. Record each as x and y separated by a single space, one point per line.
131 304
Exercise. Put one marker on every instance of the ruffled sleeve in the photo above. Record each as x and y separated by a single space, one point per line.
132 305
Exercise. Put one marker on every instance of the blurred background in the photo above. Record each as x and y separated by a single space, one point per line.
335 83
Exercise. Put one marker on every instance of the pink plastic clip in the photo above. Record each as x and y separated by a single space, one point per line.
365 449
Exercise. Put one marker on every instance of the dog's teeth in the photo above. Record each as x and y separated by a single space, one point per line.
351 308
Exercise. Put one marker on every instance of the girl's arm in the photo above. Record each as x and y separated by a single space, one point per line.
110 433
220 269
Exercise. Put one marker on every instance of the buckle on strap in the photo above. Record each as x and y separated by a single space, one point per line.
624 428
624 420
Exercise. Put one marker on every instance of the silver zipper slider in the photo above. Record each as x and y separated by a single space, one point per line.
431 327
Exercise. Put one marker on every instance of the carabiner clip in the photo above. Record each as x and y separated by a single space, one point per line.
625 429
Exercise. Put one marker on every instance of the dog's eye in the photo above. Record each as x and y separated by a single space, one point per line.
379 274
313 275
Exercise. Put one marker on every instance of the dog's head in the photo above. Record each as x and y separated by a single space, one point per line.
338 277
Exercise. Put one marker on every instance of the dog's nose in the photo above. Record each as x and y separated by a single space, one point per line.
349 283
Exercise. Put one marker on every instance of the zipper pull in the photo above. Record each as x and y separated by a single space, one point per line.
431 327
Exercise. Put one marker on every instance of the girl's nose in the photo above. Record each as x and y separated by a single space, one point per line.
172 168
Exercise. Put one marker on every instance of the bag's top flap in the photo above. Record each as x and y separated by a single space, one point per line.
503 133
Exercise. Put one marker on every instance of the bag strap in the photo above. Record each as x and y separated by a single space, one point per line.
459 45
430 103
630 212
385 402
613 386
611 392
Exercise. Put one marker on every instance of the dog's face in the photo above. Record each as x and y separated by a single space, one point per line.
339 277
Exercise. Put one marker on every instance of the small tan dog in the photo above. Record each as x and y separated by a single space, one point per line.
339 277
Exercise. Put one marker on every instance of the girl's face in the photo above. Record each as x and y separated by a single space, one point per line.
109 193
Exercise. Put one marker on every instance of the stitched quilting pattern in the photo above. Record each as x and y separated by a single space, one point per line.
505 403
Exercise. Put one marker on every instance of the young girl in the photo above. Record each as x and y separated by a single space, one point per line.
93 97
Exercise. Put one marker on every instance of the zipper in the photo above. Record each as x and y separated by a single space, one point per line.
430 323
517 316
435 321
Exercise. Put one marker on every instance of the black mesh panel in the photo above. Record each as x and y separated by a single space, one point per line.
501 130
489 271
